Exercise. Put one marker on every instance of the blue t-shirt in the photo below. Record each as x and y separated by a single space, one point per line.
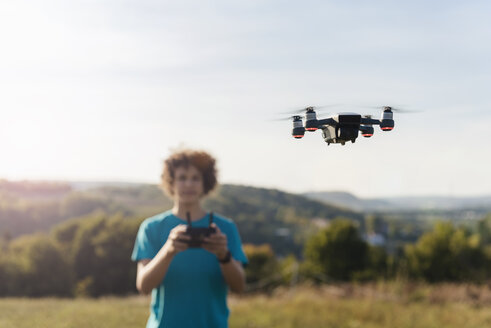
193 292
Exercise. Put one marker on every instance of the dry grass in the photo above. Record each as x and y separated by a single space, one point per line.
403 292
73 313
401 305
393 304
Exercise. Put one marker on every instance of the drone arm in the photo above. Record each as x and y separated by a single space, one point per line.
326 121
369 121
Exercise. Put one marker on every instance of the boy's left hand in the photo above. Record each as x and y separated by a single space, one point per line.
216 243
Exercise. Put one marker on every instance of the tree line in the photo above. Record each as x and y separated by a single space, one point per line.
90 256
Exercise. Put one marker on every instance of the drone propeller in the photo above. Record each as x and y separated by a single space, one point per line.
315 108
404 111
289 118
394 109
307 110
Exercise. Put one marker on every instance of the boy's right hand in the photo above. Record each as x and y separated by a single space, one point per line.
175 242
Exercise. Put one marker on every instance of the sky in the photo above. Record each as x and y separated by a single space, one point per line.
104 90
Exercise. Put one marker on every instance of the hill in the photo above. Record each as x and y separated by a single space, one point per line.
348 200
407 203
263 215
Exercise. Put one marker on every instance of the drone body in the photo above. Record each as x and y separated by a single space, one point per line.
342 127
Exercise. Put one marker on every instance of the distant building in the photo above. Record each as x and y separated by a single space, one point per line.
376 239
283 232
320 222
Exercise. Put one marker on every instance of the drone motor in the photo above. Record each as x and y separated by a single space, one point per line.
367 129
387 121
311 120
298 130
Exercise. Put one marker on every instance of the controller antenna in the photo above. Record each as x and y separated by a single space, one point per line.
188 216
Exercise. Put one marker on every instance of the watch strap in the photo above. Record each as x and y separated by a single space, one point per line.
226 259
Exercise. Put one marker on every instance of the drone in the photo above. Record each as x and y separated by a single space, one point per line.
342 127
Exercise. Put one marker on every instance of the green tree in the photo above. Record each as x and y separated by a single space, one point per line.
484 229
446 253
338 251
101 254
376 267
43 270
114 272
262 270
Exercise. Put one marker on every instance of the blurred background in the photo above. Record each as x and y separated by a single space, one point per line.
95 94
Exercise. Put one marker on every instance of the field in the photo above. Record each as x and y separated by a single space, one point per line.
382 305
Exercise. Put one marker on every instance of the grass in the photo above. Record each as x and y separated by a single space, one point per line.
376 305
321 308
73 313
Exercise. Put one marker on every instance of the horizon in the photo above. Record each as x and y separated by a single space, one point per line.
110 182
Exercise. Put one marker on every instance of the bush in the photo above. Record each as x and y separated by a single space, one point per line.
337 251
447 254
41 269
262 272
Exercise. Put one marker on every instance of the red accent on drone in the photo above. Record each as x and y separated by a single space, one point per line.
387 129
367 135
311 129
298 137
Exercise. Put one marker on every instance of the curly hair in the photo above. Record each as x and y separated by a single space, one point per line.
201 160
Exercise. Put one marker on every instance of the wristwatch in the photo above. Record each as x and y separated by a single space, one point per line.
226 259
